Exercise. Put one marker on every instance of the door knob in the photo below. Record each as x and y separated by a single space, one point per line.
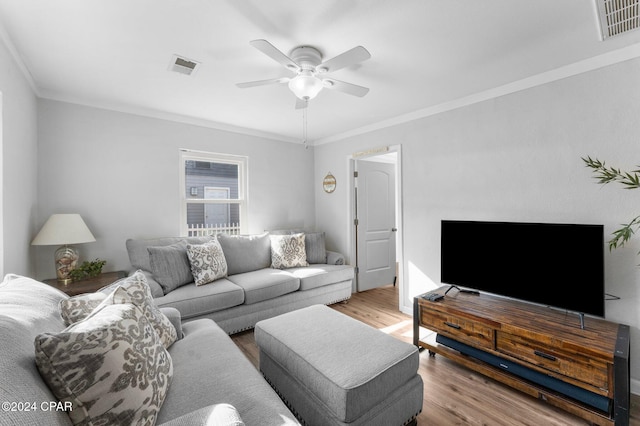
394 229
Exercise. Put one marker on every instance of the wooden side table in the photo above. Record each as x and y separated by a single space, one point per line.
88 285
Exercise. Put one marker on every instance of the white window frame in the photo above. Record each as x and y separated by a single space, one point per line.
243 167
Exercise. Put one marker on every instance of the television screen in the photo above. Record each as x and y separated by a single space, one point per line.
560 265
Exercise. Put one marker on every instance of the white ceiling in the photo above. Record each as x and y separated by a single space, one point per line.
427 56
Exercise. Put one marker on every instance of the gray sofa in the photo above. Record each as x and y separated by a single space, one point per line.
252 290
211 376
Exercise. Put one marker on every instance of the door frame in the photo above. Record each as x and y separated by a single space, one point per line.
351 207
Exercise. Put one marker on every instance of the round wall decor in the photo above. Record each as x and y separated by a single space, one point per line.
329 183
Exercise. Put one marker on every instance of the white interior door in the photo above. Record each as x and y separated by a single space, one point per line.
376 224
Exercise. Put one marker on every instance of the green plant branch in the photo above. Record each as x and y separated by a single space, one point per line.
624 234
604 174
630 180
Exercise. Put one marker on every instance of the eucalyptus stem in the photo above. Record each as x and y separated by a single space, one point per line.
630 180
604 174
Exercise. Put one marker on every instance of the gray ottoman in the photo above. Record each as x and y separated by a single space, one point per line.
333 370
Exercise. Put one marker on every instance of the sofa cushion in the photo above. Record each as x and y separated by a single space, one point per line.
213 415
135 290
210 368
207 262
315 276
288 251
246 253
265 284
111 367
138 252
170 265
193 301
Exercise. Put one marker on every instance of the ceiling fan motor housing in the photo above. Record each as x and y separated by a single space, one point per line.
308 58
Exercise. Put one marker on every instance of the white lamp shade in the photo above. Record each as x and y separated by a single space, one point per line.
62 229
305 85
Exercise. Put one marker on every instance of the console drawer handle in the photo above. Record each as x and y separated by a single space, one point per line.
452 325
545 356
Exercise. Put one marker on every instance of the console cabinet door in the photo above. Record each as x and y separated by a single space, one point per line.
588 371
460 329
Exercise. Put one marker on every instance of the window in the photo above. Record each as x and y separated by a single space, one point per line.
213 193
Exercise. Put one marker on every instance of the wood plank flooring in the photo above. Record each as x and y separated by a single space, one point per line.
453 395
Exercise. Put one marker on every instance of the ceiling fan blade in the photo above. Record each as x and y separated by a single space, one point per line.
262 82
271 51
350 57
351 89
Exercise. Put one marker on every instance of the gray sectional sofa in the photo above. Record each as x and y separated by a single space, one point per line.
212 381
251 290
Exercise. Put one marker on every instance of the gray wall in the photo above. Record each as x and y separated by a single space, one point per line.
513 158
18 162
121 173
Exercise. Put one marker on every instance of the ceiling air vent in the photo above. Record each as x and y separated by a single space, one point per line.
183 65
618 16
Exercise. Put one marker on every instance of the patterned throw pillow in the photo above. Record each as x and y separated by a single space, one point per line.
77 308
288 251
140 296
111 367
207 262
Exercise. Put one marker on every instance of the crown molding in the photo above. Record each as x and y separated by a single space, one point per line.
10 46
580 67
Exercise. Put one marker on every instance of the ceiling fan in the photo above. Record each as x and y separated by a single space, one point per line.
310 79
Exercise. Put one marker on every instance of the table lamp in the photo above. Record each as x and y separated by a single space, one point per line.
64 229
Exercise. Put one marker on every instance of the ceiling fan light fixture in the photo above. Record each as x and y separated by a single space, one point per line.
305 85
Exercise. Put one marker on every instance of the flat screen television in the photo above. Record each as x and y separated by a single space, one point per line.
553 264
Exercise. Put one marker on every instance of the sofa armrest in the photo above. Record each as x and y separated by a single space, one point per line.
176 319
216 414
334 258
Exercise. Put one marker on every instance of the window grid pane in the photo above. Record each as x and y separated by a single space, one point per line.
201 177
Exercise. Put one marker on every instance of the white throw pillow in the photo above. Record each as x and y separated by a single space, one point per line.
207 261
288 251
111 367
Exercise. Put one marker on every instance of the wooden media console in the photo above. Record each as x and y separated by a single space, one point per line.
538 350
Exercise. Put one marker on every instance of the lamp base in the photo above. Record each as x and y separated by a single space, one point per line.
66 258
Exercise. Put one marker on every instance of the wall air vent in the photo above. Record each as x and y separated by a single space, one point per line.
183 65
618 16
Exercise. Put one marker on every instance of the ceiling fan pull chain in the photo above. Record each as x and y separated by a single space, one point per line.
304 126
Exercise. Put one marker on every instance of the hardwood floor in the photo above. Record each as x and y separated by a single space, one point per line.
453 395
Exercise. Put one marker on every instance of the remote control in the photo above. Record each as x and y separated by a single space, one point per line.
433 297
